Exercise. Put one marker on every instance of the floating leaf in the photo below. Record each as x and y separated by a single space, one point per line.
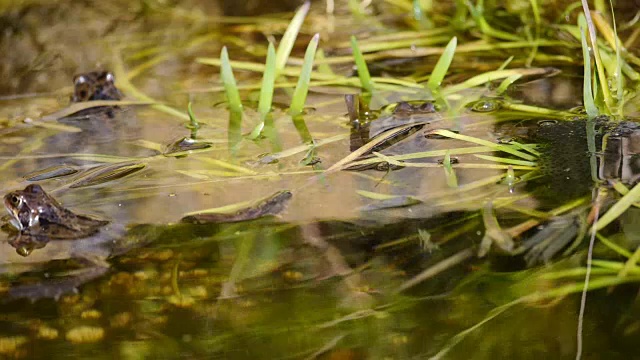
246 210
51 173
105 173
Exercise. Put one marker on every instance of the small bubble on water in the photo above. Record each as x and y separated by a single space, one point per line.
485 106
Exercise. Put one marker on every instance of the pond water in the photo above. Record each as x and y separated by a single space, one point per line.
390 257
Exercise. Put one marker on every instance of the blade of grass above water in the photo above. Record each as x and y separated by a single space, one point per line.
587 93
300 93
266 91
289 37
442 66
361 65
229 81
602 77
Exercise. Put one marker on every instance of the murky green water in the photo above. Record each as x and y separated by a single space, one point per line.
347 271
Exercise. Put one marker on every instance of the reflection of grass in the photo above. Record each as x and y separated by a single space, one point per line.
471 33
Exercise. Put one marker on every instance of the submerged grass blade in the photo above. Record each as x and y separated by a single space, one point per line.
289 37
505 160
619 208
442 66
450 174
507 149
302 88
361 64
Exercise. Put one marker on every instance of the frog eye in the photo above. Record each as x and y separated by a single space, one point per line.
403 106
427 106
110 77
80 79
14 200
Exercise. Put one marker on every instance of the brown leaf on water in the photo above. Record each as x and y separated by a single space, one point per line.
105 173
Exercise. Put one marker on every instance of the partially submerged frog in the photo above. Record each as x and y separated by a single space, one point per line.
39 218
42 222
95 85
405 117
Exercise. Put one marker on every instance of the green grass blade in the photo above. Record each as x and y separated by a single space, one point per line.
507 149
442 66
268 81
452 179
361 64
587 94
302 88
229 81
289 37
193 125
619 63
619 208
266 91
602 77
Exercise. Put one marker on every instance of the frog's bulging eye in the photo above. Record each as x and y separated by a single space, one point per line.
80 80
403 106
14 200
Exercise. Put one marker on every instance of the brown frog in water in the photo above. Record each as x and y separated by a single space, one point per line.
61 234
406 117
39 218
95 85
41 221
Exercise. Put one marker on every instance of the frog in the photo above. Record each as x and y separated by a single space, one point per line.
39 220
95 85
38 217
406 117
45 231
